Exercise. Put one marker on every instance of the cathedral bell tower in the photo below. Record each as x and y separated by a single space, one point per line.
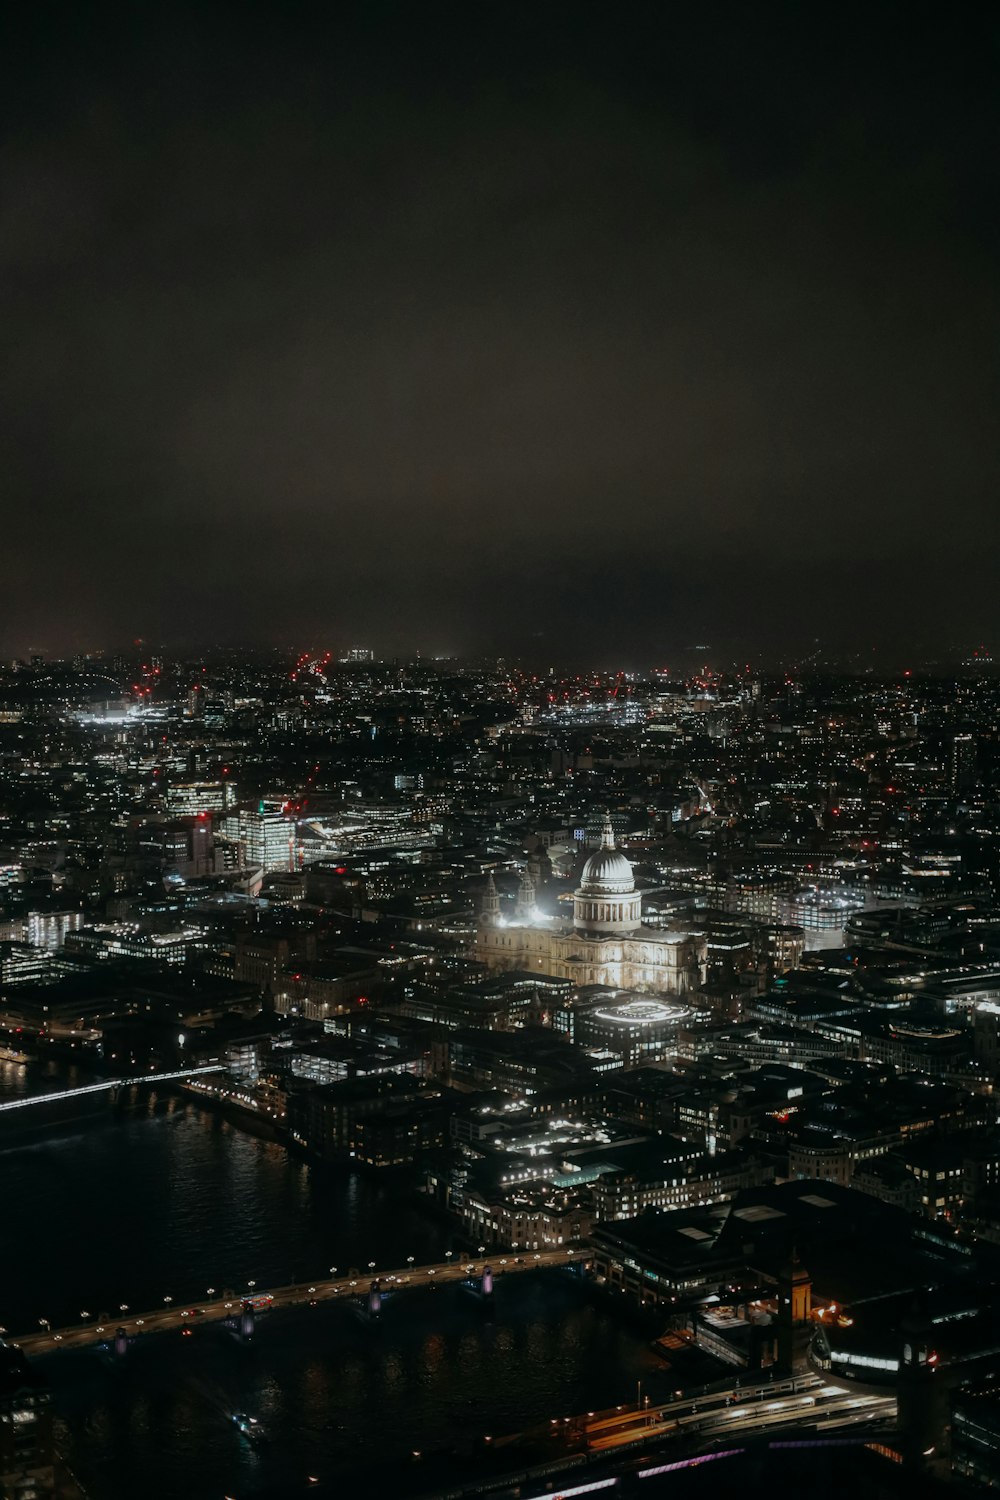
489 912
525 909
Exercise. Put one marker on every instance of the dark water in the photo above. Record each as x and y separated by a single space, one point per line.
343 1400
18 1079
164 1199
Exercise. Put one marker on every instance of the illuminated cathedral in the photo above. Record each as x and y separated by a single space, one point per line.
607 942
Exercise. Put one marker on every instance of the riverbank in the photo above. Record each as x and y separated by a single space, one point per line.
166 1198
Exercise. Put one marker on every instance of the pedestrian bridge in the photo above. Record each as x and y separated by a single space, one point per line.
108 1085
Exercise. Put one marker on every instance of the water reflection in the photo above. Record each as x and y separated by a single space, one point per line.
169 1201
160 1199
341 1397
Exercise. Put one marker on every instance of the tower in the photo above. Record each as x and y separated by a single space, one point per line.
489 913
526 898
794 1308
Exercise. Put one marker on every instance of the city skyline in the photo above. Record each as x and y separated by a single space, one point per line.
535 1070
489 330
499 750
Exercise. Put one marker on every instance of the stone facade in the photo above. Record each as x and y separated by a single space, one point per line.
606 944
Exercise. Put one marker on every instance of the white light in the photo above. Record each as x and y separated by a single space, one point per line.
110 1083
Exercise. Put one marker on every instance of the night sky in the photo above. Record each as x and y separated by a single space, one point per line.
581 329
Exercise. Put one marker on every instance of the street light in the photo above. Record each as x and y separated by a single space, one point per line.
123 1307
168 1300
371 1265
333 1270
210 1290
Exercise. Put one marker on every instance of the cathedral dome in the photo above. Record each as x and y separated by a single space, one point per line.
607 901
607 873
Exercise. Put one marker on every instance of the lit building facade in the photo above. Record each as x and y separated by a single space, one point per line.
267 839
607 943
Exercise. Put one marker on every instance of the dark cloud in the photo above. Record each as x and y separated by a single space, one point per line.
498 325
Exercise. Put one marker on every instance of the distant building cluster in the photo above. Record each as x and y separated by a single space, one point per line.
603 959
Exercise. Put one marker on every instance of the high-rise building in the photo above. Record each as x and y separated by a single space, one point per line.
267 837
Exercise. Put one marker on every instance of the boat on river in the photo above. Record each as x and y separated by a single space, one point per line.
250 1428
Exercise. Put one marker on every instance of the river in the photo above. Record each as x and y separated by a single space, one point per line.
166 1199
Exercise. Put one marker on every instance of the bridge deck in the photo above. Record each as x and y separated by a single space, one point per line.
107 1084
217 1309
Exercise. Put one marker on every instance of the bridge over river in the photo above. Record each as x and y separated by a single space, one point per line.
103 1329
105 1086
